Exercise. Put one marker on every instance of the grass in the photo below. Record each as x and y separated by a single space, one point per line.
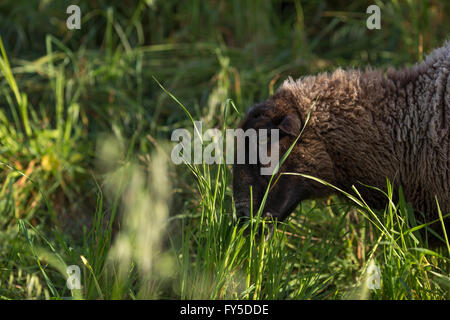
85 171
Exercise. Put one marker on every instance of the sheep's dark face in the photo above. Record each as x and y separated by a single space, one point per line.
308 157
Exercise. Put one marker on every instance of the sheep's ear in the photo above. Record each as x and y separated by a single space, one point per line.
290 125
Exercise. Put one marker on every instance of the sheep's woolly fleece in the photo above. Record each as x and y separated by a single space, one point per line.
378 125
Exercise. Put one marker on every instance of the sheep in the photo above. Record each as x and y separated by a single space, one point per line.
364 127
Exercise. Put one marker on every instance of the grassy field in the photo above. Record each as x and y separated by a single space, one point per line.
85 172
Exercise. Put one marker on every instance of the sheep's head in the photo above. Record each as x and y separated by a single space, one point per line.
309 156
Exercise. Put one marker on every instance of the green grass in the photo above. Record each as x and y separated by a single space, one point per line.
85 171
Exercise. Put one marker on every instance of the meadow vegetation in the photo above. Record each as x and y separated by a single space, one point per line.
85 172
